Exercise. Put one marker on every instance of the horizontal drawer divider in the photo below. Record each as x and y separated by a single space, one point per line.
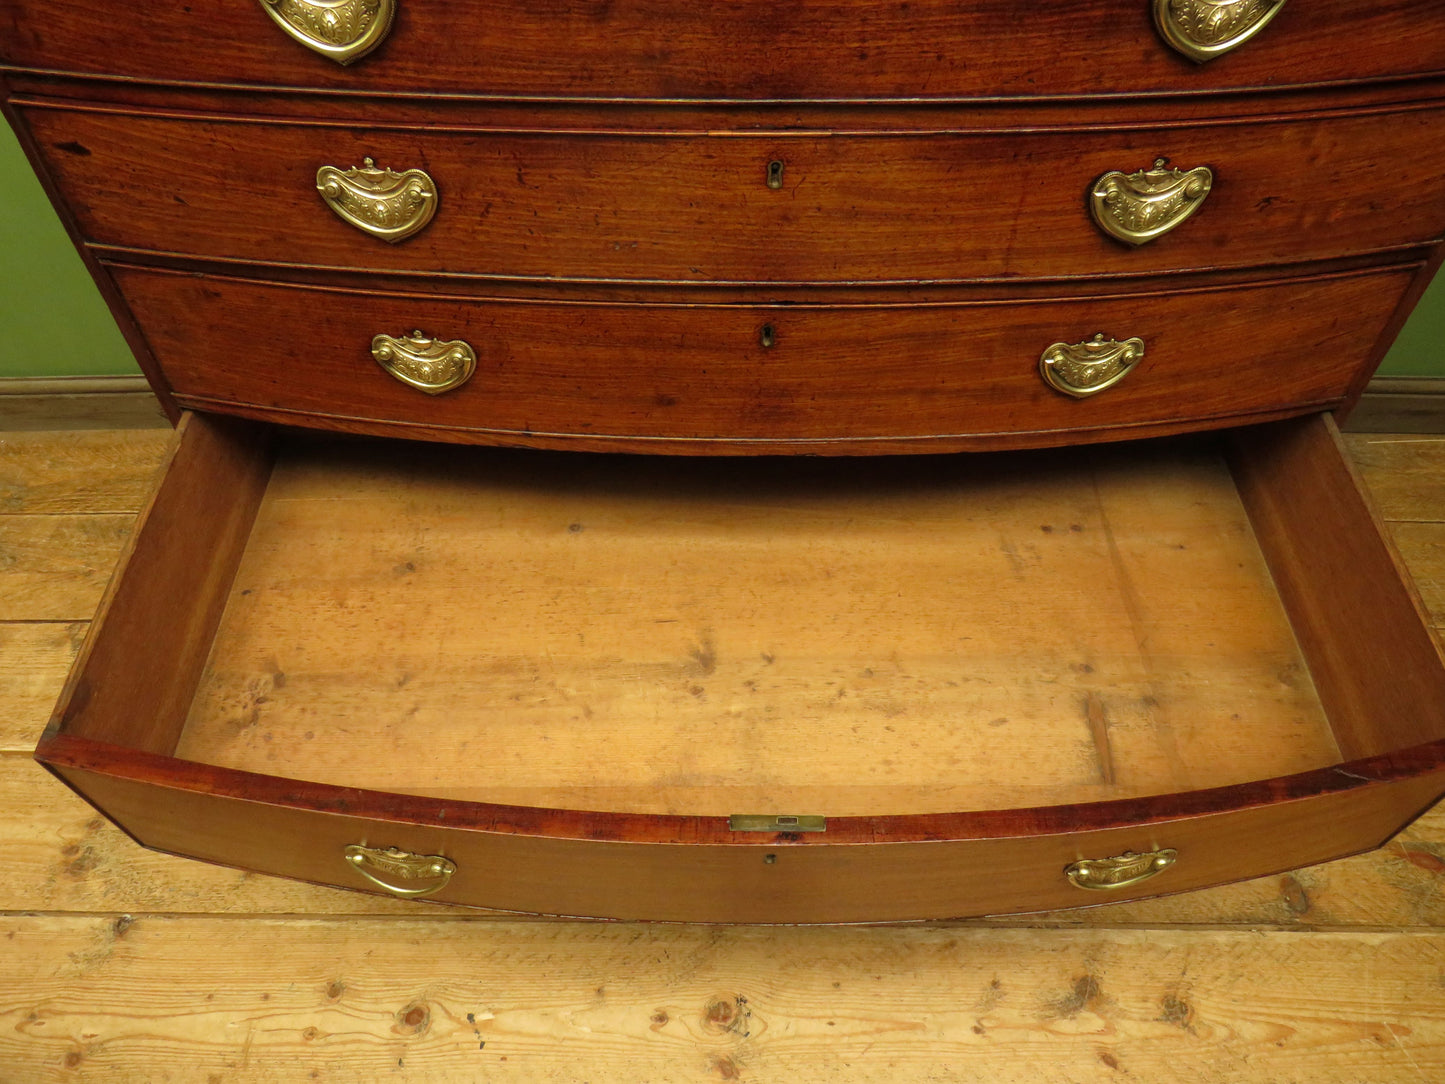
944 443
1121 281
361 282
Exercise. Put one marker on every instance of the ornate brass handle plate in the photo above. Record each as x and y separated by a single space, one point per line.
1205 29
400 872
342 30
1138 207
1087 368
432 365
1106 874
386 204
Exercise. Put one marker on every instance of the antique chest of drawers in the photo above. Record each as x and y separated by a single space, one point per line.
413 610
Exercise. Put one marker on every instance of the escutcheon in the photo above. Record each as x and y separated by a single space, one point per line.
1121 871
400 872
1205 29
341 30
432 365
386 204
1087 368
1138 207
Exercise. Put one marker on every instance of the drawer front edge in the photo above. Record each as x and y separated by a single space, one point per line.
792 878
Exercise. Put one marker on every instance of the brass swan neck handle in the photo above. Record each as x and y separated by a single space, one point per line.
386 204
1120 871
1138 207
400 872
1079 370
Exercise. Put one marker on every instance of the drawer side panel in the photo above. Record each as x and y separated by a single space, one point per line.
135 676
1378 669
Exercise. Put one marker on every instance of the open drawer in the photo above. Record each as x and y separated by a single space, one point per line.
757 690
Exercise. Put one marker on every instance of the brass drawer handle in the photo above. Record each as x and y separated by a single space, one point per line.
342 30
1138 207
386 204
1106 874
1205 29
395 870
1087 368
432 365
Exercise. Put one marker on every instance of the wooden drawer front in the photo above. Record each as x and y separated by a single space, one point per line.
698 209
753 50
696 882
702 372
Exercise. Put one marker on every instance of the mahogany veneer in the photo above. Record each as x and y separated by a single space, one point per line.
679 205
842 379
749 51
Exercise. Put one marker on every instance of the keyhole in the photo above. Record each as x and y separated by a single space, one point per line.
775 173
766 336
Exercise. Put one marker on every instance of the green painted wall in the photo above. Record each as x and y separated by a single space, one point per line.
53 322
1420 349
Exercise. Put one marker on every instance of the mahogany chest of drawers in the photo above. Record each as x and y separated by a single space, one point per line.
1130 628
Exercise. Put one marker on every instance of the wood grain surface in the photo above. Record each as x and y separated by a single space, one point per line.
1423 546
751 50
1360 623
693 206
55 567
837 379
1238 983
1402 475
116 998
92 472
37 655
831 638
63 856
162 611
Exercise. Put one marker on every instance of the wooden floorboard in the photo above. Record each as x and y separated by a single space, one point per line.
55 567
1404 474
1422 545
450 1000
117 964
37 657
90 472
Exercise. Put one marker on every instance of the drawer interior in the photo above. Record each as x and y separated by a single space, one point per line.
634 634
849 638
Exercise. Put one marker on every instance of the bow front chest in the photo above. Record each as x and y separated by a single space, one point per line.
751 462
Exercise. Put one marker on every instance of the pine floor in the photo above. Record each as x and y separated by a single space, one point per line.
120 965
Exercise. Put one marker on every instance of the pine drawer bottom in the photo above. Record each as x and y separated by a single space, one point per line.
753 690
